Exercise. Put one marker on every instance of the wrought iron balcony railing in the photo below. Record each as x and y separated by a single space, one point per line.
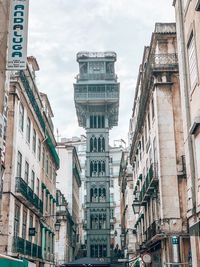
96 76
149 184
27 195
85 54
25 247
153 230
97 95
164 60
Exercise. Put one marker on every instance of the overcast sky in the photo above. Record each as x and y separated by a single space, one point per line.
58 29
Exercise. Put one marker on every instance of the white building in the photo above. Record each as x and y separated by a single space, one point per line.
69 183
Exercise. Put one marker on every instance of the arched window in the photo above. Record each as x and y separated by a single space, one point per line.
95 145
91 144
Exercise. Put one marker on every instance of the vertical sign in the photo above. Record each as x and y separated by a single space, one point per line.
18 30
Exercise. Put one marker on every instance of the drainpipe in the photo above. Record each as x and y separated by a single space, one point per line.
185 102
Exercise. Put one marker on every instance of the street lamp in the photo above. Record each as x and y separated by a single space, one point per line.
136 206
57 226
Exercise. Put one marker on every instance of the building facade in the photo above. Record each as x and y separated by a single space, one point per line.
125 180
96 95
188 37
80 144
65 234
157 154
69 183
115 154
31 162
4 19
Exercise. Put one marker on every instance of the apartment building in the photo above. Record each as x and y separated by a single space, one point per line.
125 180
65 234
188 36
80 144
4 11
115 154
69 183
157 154
31 162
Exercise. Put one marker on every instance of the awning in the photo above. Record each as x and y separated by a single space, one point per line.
137 263
6 261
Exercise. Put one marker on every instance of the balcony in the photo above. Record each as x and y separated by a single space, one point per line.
164 61
96 93
25 247
153 230
96 76
27 196
149 184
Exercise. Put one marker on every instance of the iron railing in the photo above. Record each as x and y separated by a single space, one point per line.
25 247
23 188
85 54
97 95
149 184
36 108
164 60
96 76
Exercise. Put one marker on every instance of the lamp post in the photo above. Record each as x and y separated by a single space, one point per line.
136 206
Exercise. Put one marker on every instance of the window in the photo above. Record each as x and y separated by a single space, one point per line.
148 120
26 173
43 158
16 220
32 180
111 213
34 140
19 164
111 183
192 61
38 187
98 251
21 117
36 231
152 108
28 130
47 201
50 170
30 225
24 224
47 165
97 121
39 149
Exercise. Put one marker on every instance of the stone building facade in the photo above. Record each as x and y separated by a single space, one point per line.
125 181
157 153
115 153
31 162
96 94
65 235
69 183
188 38
4 19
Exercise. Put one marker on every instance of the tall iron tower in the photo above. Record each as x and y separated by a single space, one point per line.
96 95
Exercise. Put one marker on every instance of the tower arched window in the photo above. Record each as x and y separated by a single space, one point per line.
91 144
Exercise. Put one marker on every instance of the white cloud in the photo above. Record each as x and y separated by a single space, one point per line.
59 29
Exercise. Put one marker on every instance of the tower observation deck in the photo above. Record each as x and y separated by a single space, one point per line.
96 96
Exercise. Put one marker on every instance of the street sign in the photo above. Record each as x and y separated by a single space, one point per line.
18 31
175 240
146 258
32 231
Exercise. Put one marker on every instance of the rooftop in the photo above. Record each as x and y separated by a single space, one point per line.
86 54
